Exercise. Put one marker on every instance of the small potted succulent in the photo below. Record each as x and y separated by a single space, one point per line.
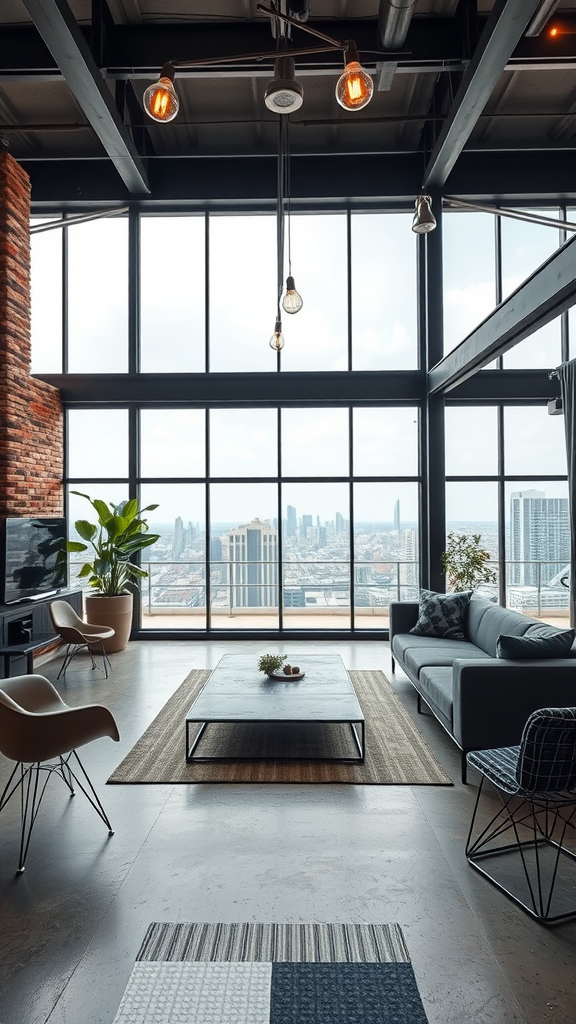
270 663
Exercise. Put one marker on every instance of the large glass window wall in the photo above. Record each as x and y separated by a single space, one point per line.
263 523
300 515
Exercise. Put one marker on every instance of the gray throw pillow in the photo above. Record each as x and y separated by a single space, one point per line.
442 615
539 641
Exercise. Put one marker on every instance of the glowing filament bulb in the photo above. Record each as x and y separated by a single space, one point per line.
160 100
277 341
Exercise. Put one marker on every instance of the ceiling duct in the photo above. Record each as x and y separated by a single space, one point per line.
546 9
394 19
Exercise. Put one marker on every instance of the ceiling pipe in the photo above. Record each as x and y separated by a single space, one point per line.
394 17
542 15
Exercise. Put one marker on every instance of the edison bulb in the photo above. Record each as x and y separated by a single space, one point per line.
277 341
292 301
160 100
354 88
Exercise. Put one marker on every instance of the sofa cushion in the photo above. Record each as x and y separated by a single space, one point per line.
439 652
487 621
442 615
436 683
539 641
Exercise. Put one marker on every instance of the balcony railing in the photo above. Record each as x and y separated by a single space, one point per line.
320 589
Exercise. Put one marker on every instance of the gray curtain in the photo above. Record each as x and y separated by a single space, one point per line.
567 375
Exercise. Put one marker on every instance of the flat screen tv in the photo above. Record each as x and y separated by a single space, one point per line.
34 557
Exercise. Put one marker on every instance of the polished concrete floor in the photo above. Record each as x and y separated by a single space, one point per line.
70 926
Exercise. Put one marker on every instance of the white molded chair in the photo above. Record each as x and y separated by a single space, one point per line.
79 634
40 732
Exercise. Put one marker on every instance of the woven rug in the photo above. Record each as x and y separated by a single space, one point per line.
272 974
396 754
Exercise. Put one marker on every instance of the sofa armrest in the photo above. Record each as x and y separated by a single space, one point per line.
493 699
403 615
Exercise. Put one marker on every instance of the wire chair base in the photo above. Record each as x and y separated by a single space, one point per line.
545 818
31 780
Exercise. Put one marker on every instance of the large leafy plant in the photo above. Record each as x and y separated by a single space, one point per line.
119 534
465 562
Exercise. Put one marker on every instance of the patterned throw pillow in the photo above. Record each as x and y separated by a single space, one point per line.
442 615
539 641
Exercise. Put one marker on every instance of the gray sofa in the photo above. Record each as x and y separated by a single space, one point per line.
481 700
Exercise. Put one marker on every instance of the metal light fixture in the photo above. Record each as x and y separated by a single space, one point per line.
277 340
284 94
424 220
292 301
355 87
160 100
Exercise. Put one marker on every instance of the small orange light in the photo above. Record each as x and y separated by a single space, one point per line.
160 100
553 31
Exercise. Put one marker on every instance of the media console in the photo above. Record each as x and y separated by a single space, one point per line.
27 625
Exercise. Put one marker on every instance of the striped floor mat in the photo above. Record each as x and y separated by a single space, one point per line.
272 974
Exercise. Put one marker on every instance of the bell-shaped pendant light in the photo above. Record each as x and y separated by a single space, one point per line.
160 100
277 341
292 301
284 94
424 220
355 87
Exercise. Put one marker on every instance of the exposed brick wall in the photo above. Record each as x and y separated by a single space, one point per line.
30 411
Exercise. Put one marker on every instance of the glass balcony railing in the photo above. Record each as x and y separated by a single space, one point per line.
317 594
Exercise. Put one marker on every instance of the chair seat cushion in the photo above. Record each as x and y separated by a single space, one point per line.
497 765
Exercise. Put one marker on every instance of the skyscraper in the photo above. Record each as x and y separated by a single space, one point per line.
252 555
291 522
539 532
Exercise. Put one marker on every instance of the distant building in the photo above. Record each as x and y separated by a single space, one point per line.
178 538
291 521
306 525
251 552
539 532
397 515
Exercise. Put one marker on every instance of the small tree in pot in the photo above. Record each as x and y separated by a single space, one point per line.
120 533
465 562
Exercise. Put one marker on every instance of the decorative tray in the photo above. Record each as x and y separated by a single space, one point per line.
292 678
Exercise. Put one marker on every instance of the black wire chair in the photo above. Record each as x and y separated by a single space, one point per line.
536 782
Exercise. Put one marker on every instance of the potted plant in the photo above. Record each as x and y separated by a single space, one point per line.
119 534
465 562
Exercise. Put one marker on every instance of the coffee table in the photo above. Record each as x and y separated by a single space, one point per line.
237 692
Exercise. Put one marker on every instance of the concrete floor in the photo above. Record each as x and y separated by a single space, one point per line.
71 925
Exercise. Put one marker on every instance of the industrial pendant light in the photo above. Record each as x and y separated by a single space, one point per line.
292 301
424 220
160 100
284 94
354 88
277 340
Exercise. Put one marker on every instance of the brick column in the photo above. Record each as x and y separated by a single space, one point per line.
31 455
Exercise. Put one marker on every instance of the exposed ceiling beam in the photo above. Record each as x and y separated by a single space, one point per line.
501 34
67 44
541 298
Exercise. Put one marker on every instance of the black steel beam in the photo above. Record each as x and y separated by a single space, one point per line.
265 389
324 181
60 32
135 49
502 31
505 386
542 297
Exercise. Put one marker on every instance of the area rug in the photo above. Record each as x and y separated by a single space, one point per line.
396 754
272 974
